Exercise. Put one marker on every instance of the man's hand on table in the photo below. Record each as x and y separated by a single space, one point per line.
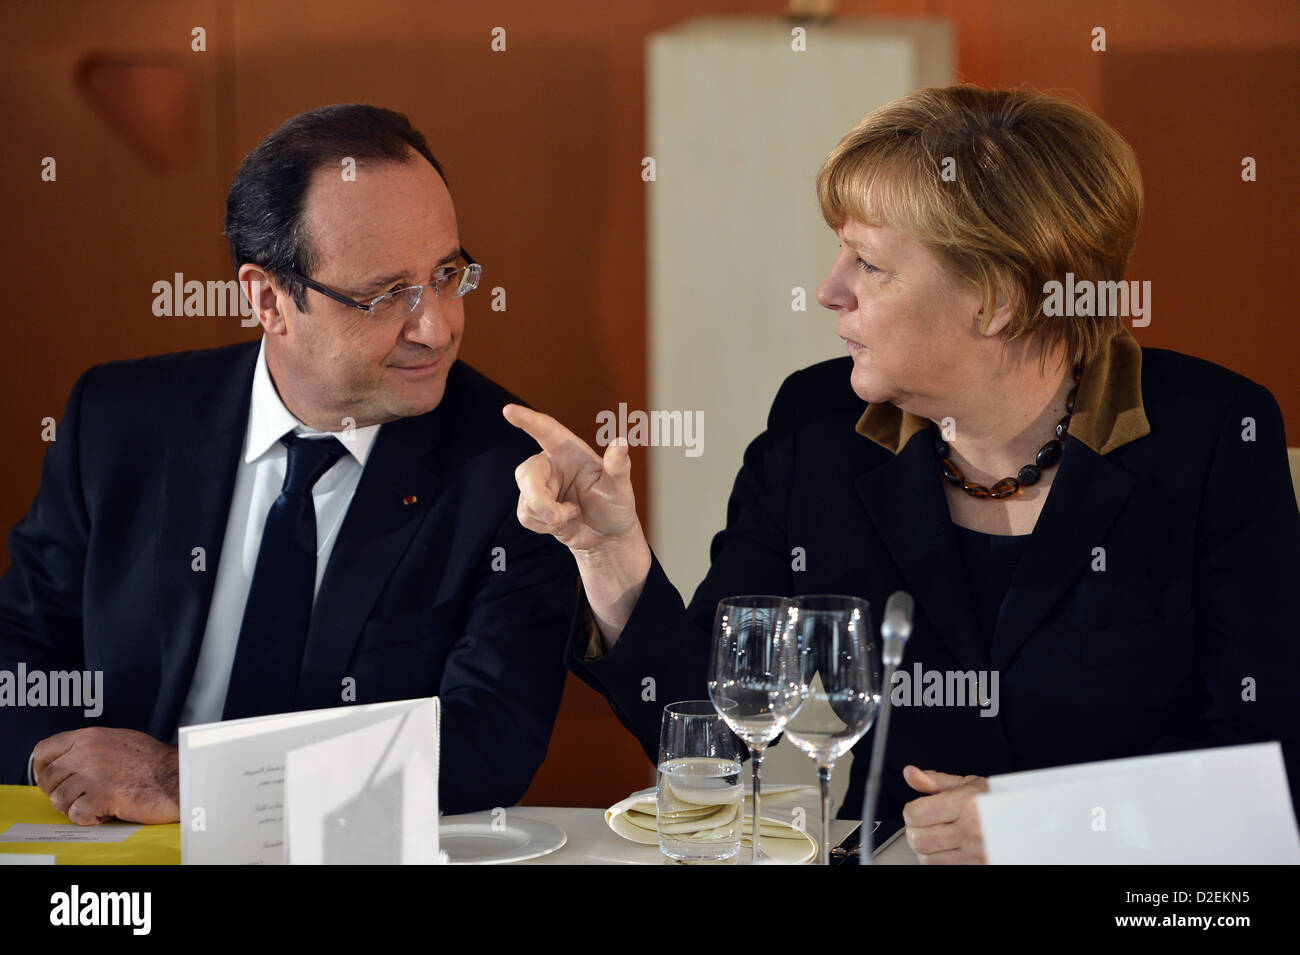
942 826
97 774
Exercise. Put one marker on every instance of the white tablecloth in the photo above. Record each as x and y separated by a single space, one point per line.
592 842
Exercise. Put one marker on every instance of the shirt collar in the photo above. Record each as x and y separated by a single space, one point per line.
269 420
1108 409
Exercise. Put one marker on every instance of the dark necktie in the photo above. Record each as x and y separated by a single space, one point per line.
273 634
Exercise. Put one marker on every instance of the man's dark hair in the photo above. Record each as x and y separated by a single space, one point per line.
264 208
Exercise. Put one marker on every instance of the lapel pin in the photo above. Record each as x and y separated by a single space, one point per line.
409 499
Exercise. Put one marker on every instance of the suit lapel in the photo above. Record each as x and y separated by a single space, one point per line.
1086 497
905 501
199 471
394 494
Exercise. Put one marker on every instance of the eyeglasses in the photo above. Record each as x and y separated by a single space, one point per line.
448 283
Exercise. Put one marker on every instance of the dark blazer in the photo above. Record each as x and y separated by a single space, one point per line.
1185 639
410 606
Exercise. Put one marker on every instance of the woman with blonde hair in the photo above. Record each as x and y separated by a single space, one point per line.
1109 529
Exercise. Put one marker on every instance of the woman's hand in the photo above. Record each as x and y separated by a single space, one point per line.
583 500
586 502
943 827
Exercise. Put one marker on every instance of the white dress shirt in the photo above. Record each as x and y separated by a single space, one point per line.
257 485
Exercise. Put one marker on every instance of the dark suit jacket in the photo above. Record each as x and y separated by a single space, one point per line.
142 473
1185 639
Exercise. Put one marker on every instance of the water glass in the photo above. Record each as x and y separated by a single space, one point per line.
701 802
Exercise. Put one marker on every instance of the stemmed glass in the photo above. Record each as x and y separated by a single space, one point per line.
838 686
754 677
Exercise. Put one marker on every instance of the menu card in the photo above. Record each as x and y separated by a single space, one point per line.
348 784
1223 805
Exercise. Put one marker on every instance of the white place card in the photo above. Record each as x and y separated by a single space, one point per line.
64 832
368 797
1228 804
233 778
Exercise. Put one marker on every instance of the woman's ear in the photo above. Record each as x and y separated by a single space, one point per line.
1004 309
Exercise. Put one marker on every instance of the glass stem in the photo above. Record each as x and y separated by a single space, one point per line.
756 754
824 778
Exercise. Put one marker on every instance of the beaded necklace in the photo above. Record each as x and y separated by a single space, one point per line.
1047 456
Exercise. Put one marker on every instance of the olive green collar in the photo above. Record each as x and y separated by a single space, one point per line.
1108 410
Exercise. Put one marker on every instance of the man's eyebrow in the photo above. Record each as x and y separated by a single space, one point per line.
404 276
382 281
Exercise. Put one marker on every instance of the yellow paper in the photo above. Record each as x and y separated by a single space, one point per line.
152 845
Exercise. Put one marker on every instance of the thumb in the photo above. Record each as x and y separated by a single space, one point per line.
929 781
85 817
617 461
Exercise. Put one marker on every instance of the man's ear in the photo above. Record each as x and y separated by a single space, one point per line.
259 288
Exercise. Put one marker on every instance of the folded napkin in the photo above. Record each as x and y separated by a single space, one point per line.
636 819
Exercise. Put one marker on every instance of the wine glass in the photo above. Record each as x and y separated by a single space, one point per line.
754 677
838 686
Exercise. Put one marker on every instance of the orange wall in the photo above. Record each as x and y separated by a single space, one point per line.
542 145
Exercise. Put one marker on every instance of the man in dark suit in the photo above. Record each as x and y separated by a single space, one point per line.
320 518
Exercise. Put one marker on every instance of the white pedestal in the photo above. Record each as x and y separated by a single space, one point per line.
739 123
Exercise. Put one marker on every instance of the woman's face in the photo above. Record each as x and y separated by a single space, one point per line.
914 336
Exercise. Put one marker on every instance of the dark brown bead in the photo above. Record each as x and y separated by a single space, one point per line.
951 473
1005 488
1048 454
940 447
1029 475
1062 426
975 490
1069 402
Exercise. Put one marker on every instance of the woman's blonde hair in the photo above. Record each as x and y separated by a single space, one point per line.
1009 188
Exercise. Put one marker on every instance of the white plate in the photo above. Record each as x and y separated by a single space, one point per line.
485 839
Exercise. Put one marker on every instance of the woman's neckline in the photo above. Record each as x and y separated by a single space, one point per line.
970 530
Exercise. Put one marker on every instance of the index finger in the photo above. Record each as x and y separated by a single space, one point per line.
542 428
50 749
